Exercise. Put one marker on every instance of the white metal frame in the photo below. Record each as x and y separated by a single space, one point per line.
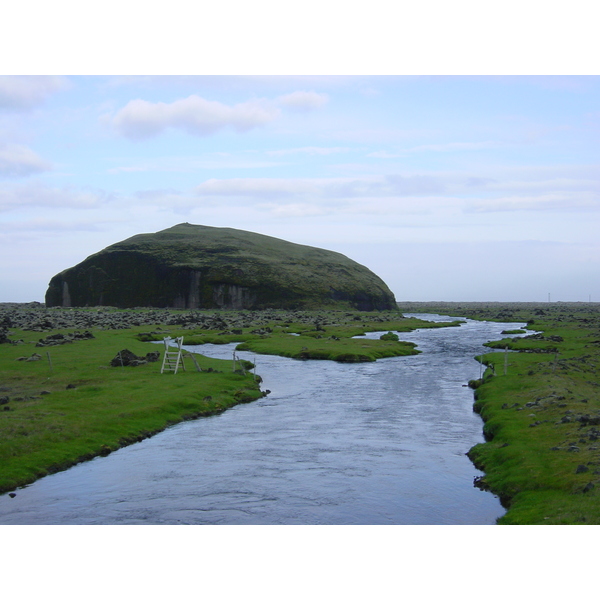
172 359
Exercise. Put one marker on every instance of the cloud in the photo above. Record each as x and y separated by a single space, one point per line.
41 196
303 101
386 154
26 92
190 164
140 119
20 161
312 150
448 147
293 210
325 188
453 146
562 202
56 227
259 187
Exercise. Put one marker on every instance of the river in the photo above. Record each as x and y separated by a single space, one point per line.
368 443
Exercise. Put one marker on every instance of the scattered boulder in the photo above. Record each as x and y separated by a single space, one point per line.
58 339
126 358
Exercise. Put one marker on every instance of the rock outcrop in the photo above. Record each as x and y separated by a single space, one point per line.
193 266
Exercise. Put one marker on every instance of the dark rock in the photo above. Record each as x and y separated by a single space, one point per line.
480 483
582 469
126 358
11 494
71 386
588 488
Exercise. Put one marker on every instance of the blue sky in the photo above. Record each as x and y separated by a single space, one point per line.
452 188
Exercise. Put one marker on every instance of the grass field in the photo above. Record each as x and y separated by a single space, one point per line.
57 414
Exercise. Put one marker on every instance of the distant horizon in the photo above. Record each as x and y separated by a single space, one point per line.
542 302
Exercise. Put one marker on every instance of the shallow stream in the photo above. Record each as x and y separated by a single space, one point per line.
368 443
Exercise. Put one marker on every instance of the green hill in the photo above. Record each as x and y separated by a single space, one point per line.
194 266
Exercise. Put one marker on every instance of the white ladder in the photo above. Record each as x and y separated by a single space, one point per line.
172 359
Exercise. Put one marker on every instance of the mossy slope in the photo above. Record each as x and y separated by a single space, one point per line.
194 266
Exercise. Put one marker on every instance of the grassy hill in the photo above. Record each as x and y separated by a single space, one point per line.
194 266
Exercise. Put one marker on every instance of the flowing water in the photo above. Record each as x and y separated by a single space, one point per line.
367 443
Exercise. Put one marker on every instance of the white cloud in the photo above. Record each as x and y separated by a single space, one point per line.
312 150
546 185
19 161
41 196
453 146
294 210
448 147
259 187
140 119
26 92
303 101
190 164
391 185
386 154
545 202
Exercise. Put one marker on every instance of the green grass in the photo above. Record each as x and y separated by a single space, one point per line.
107 408
541 419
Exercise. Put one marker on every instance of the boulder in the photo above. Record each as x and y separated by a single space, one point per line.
126 358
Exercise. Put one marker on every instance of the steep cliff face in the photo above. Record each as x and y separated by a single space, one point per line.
193 266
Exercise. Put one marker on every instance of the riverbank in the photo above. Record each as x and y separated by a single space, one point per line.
541 409
62 403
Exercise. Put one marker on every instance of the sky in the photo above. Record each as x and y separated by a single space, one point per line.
449 147
450 188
